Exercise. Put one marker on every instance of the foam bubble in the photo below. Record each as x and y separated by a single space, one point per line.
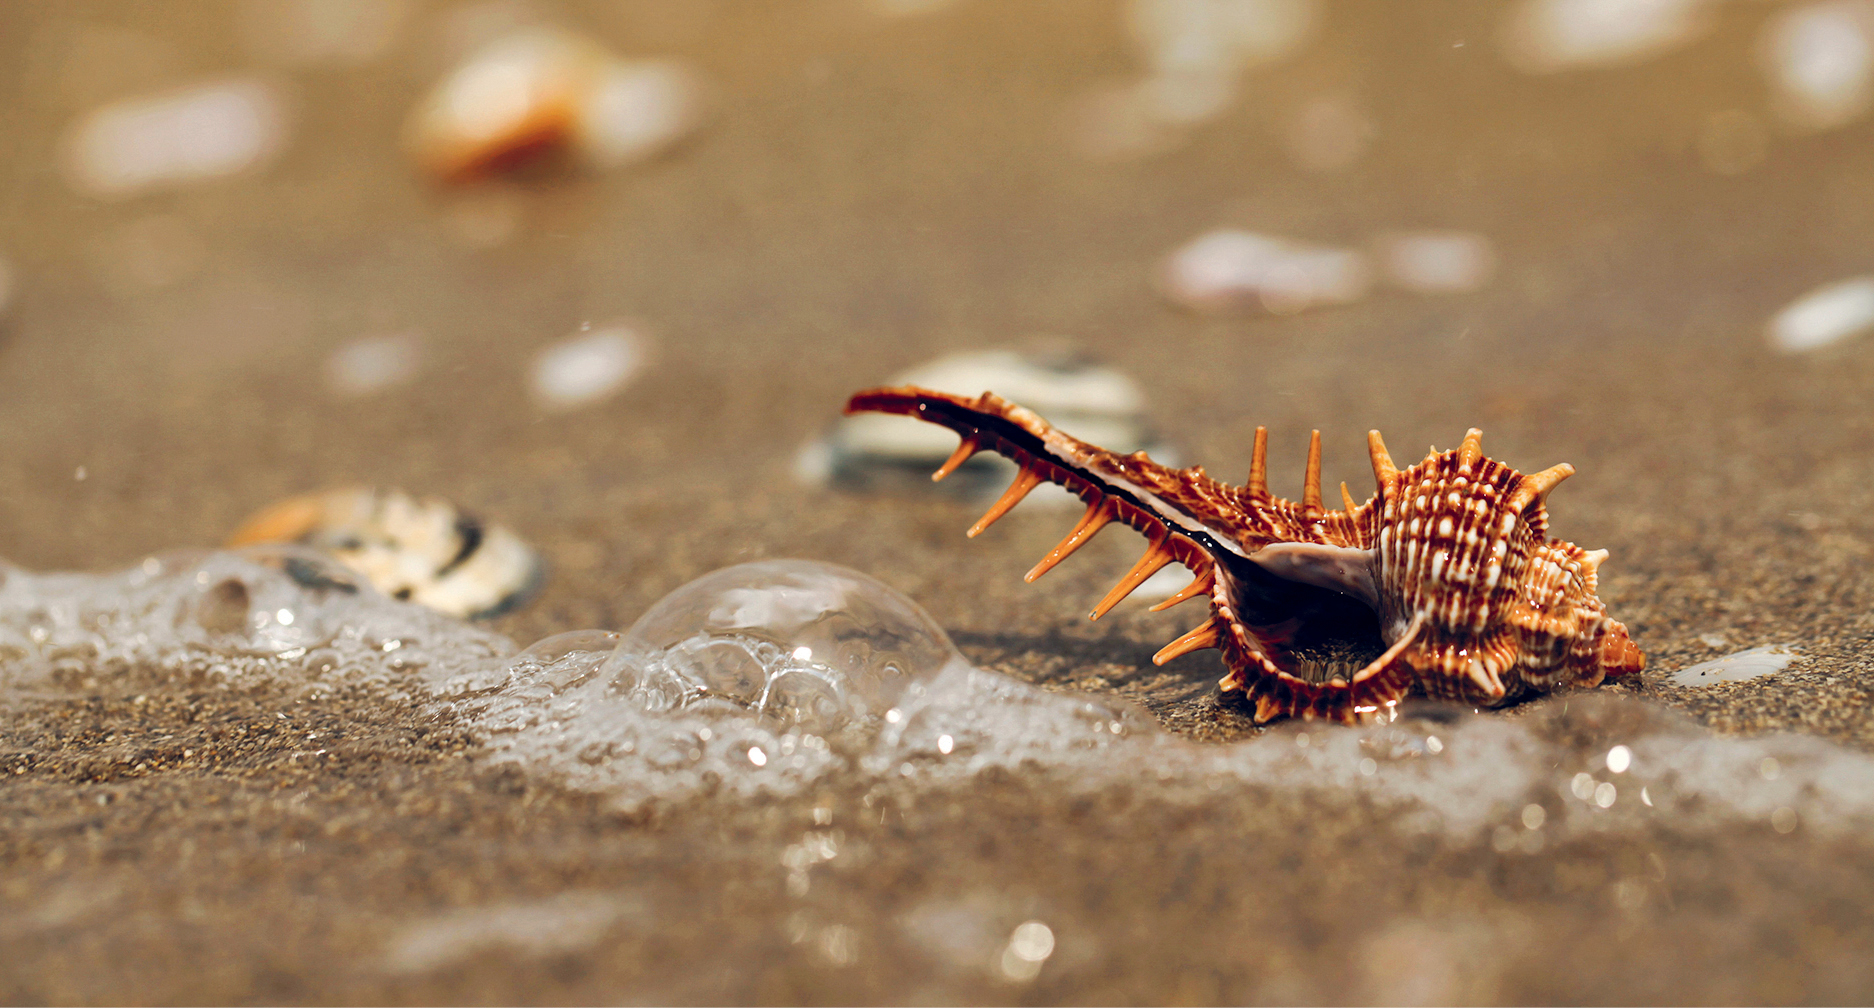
278 615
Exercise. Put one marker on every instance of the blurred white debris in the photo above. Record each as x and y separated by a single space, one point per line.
1164 584
1436 262
1115 122
1230 270
562 924
1732 142
1543 36
374 364
1820 61
541 89
1328 133
201 132
587 367
1829 313
1195 52
321 32
636 108
908 8
148 253
1197 39
1744 665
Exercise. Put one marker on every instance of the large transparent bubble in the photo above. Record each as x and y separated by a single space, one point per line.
806 643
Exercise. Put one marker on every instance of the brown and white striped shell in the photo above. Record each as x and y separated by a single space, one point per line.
1443 584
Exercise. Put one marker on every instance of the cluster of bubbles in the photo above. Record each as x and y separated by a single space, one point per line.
777 676
768 676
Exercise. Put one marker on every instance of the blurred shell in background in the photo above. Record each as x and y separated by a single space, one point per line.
1076 394
1227 271
1544 36
1435 262
188 135
425 551
1195 53
1825 315
1820 61
542 89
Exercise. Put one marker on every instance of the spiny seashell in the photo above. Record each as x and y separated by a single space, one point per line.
1444 583
542 89
425 551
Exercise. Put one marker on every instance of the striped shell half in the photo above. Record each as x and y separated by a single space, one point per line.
1443 584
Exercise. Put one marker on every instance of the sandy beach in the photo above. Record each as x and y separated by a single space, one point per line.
867 193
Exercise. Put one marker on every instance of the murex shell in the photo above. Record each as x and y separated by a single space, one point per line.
1443 584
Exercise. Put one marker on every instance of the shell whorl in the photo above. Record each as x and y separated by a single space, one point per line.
1443 583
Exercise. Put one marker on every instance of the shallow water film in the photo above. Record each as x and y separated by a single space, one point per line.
655 679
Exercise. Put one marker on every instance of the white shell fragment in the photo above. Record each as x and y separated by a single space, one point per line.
1195 52
1436 262
425 551
1820 61
1229 270
1080 397
1825 315
1747 664
541 89
587 367
1543 36
203 132
374 364
321 32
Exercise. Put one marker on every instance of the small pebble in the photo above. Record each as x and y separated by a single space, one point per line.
1436 262
1543 36
1820 61
1825 315
1228 270
587 367
203 132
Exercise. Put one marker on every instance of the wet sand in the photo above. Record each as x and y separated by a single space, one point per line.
872 193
